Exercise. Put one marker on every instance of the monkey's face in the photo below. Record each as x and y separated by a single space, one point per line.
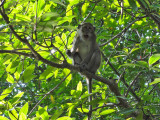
86 30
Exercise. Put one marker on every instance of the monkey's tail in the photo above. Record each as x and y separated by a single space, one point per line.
89 85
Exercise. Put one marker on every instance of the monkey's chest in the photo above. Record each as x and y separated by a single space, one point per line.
84 50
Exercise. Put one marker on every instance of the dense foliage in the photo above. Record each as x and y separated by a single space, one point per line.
38 80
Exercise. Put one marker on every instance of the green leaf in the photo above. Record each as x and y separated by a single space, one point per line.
144 3
3 118
41 4
153 59
47 16
140 116
23 18
17 75
65 118
157 80
127 110
6 92
105 112
79 86
134 49
47 72
133 5
142 64
59 2
27 75
23 112
17 97
82 110
57 114
10 79
73 2
84 8
12 112
42 112
69 12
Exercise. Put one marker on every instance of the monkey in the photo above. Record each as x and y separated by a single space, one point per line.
86 54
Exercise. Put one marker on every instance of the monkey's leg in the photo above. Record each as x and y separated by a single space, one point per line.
77 59
94 62
89 85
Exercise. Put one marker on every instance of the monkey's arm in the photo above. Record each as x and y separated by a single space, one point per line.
75 45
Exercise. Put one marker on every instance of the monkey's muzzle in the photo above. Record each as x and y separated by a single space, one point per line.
86 36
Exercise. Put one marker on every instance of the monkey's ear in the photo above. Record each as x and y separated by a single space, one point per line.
79 26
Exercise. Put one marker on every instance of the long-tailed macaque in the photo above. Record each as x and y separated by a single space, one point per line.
86 54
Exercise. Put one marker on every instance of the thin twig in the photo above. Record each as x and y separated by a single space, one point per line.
123 31
135 79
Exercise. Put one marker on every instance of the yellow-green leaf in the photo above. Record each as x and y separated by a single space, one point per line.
79 86
69 12
52 99
23 112
10 79
105 112
84 8
17 97
157 80
153 59
6 92
3 118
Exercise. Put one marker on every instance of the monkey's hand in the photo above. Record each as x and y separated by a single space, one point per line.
68 52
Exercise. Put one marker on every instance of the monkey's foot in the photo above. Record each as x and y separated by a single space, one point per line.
83 67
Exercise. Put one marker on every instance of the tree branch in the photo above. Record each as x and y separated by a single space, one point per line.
18 53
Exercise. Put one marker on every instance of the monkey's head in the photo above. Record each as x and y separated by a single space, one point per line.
86 31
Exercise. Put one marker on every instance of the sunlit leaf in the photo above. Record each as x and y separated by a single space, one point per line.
82 110
6 92
10 78
17 97
47 73
66 118
84 8
39 8
52 99
23 17
23 112
16 75
12 112
79 86
69 12
42 112
109 111
73 2
157 80
3 118
153 59
56 114
47 16
28 73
